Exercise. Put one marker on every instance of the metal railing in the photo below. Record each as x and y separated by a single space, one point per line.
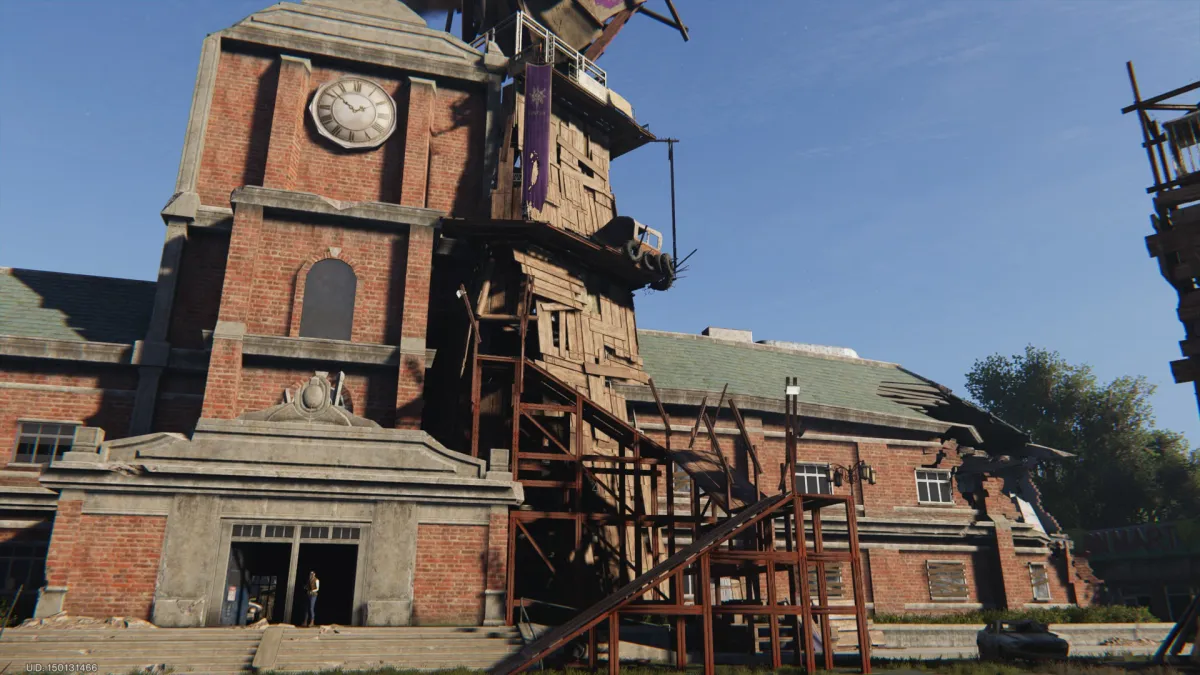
554 50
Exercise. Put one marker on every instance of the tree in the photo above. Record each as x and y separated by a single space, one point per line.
1125 471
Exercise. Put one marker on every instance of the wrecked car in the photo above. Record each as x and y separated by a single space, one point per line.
1025 639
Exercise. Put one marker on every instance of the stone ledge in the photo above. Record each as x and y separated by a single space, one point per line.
65 350
317 349
309 203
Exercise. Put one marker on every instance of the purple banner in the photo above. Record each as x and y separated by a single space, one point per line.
535 173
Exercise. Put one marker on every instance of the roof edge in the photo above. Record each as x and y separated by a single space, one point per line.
767 348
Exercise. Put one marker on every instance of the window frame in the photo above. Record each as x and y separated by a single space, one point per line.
34 560
947 480
966 587
56 451
1044 585
820 473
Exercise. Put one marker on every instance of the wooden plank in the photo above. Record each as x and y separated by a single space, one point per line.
615 370
1177 197
554 293
608 329
544 329
595 167
569 374
574 339
595 183
564 285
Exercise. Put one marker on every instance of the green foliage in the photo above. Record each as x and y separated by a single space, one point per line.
1125 472
1047 615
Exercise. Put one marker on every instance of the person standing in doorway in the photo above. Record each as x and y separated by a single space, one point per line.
312 588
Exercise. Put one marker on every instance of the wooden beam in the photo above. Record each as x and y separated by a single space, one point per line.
613 27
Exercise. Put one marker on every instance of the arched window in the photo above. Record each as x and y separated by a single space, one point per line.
328 300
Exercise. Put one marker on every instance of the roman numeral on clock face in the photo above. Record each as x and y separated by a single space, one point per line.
379 128
357 87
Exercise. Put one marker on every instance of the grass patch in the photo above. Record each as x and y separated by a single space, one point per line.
1101 614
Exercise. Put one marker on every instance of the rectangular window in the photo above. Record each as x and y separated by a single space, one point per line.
345 533
1040 578
22 564
43 442
813 479
248 531
933 487
947 581
280 531
314 533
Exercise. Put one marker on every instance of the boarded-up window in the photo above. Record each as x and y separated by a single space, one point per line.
328 301
1040 579
947 581
833 581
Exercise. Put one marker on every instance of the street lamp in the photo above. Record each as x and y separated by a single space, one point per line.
838 474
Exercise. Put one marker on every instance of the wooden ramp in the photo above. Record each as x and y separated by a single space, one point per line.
559 636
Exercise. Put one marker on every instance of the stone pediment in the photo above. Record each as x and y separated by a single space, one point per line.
309 445
314 402
383 32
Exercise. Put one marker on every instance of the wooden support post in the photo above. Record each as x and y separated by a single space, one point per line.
822 590
860 596
592 646
614 644
680 635
772 602
706 617
510 592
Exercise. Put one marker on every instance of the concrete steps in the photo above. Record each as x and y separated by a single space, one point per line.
230 651
301 649
219 651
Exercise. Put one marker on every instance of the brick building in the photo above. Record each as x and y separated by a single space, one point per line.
292 392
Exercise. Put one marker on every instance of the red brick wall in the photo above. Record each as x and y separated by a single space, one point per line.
900 578
448 581
285 249
367 392
198 288
174 411
896 466
239 131
239 126
109 410
497 563
109 564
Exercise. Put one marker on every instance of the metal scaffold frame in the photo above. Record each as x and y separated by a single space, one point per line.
575 494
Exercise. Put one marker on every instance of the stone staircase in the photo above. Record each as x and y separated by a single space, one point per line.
350 648
226 651
217 651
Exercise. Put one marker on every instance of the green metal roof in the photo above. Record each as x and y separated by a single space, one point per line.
683 361
63 306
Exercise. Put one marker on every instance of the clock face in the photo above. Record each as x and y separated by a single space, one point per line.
354 112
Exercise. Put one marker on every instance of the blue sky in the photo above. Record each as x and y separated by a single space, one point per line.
925 182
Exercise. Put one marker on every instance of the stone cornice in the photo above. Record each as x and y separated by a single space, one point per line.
308 203
65 350
352 36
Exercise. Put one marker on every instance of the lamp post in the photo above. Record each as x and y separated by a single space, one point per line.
838 473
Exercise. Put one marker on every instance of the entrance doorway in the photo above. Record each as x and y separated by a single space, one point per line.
255 583
336 566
